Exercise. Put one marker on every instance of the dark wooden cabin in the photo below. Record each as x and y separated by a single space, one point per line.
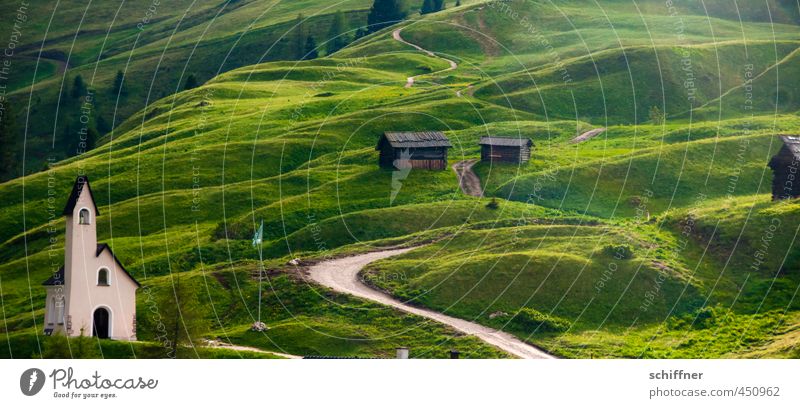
414 150
784 165
505 149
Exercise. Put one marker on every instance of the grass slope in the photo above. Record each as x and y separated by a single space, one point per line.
637 243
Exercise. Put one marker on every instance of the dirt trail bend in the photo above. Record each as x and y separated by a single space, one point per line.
341 275
410 80
467 179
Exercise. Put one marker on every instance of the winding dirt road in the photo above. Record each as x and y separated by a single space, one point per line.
341 275
410 80
467 179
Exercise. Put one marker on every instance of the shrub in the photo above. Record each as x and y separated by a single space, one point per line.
530 320
493 204
621 251
59 346
704 318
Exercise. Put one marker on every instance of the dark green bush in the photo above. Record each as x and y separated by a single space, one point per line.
530 320
621 251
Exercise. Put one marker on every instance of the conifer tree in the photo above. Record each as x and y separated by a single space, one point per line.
78 87
181 316
191 82
119 85
385 13
299 37
427 7
8 131
336 37
310 49
91 138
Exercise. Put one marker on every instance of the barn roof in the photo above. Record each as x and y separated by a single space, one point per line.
793 144
417 139
505 141
77 188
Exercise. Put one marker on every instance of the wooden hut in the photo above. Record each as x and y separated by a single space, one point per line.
784 165
415 150
505 149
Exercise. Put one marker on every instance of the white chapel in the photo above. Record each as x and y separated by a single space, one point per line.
92 291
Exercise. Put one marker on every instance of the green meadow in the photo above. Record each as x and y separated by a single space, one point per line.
654 239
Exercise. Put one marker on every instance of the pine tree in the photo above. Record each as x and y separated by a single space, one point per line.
78 87
427 7
191 83
299 37
310 49
438 5
8 132
91 138
119 85
656 116
336 37
385 13
102 125
180 313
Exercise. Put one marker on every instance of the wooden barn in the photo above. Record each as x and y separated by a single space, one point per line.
505 149
413 150
784 165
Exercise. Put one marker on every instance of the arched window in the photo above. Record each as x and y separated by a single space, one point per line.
51 312
102 277
83 216
60 310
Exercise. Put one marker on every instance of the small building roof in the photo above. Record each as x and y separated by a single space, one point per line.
58 278
792 142
77 188
55 279
417 139
505 141
102 247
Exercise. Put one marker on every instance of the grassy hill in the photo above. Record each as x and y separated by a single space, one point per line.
636 243
156 46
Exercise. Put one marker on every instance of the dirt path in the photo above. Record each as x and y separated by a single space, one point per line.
410 80
467 179
341 275
469 90
219 344
588 135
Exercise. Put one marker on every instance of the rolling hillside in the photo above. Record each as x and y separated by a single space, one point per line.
156 45
638 242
